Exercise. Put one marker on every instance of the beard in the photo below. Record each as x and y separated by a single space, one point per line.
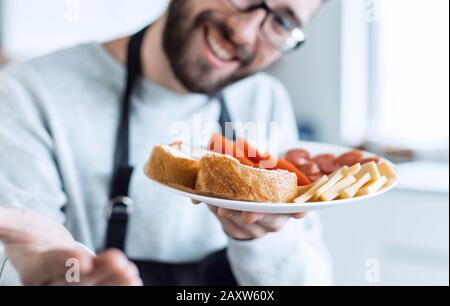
192 70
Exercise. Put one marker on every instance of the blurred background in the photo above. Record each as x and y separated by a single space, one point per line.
374 74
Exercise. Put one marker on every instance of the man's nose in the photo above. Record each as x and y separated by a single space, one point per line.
245 27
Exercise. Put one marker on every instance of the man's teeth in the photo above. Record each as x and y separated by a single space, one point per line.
220 52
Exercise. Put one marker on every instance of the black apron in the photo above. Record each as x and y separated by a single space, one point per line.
214 270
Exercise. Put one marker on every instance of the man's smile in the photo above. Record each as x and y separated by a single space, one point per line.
219 53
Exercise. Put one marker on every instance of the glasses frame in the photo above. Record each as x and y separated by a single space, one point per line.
269 11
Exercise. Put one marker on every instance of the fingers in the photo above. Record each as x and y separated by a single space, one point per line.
54 265
247 225
250 225
132 279
195 202
250 218
234 230
110 268
298 216
114 269
257 231
213 209
274 224
227 213
271 222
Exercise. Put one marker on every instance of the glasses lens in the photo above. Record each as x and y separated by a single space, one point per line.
275 31
280 30
282 33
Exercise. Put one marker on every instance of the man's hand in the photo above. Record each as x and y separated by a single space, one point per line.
247 225
40 249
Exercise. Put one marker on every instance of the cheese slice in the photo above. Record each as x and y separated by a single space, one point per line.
339 175
370 168
386 170
301 190
354 170
351 191
334 191
373 187
310 193
390 183
344 170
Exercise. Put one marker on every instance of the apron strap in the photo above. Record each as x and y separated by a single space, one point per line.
225 118
120 205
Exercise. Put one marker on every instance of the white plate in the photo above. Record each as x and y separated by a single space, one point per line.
284 208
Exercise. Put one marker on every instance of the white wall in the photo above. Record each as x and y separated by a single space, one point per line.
312 75
36 27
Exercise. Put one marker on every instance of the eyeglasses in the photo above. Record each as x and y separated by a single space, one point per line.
280 29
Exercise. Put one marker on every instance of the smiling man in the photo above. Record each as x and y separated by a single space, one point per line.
77 122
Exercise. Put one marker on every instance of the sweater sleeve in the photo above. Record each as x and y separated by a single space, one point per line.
8 275
29 175
296 255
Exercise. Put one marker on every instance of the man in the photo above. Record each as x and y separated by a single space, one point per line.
57 134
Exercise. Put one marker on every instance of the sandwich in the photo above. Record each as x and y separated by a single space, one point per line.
175 165
225 177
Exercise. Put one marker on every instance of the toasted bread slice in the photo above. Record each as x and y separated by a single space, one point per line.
171 166
224 177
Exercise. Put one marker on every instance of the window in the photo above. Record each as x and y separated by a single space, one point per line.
410 74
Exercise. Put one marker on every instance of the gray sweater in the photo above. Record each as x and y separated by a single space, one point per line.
59 116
